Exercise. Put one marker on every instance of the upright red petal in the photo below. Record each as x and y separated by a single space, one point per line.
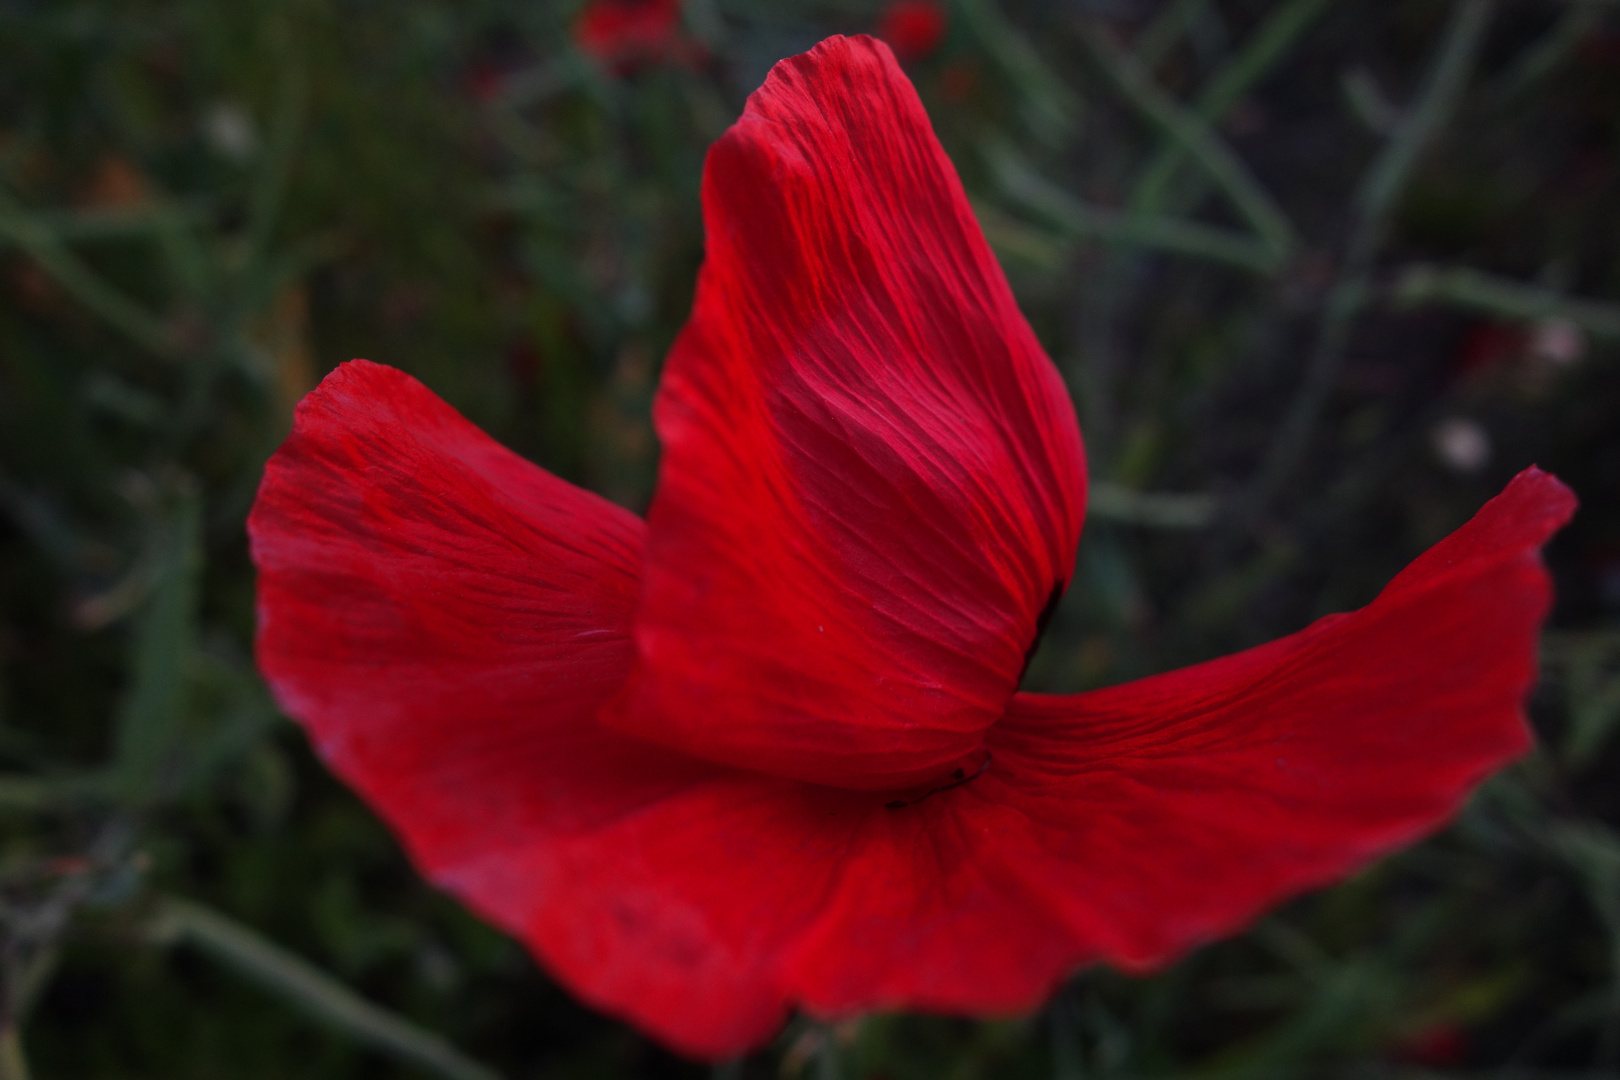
913 28
446 619
872 479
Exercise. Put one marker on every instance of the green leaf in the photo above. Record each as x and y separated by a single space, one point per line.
151 718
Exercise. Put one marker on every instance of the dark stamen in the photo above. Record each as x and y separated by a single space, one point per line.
958 778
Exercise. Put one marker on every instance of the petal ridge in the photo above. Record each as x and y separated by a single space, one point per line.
655 886
872 477
445 619
1284 767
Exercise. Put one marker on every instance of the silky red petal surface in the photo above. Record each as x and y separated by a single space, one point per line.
1128 825
1133 823
1168 811
872 480
446 619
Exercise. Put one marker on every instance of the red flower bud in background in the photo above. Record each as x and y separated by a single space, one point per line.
766 750
913 28
628 34
1439 1045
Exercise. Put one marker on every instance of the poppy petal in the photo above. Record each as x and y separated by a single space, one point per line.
446 619
711 914
872 478
1167 811
1128 824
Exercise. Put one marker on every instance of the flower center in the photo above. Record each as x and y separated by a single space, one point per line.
971 767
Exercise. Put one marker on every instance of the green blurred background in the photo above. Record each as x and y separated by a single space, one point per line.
1321 276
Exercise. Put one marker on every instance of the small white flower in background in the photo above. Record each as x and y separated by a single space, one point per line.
230 131
1558 343
1461 445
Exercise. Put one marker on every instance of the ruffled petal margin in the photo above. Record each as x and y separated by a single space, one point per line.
1165 812
872 479
446 619
1134 823
1126 825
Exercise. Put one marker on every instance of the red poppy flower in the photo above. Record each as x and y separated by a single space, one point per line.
912 28
627 34
766 749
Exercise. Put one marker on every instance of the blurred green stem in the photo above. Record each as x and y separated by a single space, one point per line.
270 187
13 1065
1079 220
147 728
1448 75
1152 509
1198 140
309 989
1155 41
46 793
25 231
97 225
830 1062
1542 58
1502 297
1264 48
1049 107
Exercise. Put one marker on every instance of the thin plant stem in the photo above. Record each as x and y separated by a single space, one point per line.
1199 141
1156 197
1068 1050
1156 510
21 229
1265 47
1448 75
311 990
43 794
13 1065
1050 108
113 224
1079 220
830 1061
1504 298
1156 40
1542 58
270 187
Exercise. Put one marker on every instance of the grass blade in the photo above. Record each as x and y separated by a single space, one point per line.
1448 74
1502 297
152 714
1268 45
1049 105
1198 140
19 228
1082 221
306 987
